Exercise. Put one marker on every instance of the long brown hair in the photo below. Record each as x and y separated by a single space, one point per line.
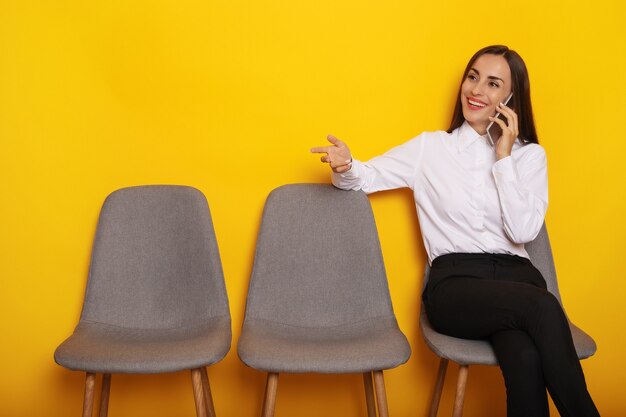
520 86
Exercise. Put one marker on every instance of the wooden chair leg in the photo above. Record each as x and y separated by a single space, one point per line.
381 395
441 376
208 398
90 385
369 394
104 395
198 393
269 403
460 391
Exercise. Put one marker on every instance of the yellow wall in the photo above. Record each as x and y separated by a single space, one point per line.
228 96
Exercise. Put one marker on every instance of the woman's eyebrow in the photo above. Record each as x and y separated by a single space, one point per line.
491 77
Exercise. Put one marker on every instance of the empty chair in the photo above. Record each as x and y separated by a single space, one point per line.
155 299
479 352
318 299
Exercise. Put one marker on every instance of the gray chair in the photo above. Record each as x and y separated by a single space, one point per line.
479 352
318 299
155 300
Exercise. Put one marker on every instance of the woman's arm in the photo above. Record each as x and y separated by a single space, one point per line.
523 192
522 184
394 169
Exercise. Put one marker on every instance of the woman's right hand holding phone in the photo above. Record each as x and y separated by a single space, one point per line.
337 155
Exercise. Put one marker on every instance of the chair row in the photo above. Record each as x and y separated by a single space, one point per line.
318 299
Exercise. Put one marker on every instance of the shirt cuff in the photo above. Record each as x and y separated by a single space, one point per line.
504 170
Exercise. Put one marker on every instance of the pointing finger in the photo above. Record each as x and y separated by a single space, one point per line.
321 149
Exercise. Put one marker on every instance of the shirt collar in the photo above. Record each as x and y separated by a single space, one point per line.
467 136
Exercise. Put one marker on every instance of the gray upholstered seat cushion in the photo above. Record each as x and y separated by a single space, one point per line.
96 347
356 347
480 352
463 351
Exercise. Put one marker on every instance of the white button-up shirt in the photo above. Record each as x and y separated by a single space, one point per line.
467 202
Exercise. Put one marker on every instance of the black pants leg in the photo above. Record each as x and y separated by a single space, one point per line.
520 363
479 296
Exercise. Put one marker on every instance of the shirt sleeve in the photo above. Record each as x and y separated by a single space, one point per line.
394 169
522 186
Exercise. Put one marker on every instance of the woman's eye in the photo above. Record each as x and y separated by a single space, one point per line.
494 84
471 77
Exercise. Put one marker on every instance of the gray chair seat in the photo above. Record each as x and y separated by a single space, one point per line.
101 348
351 348
480 352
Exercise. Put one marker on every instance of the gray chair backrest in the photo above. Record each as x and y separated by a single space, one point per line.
155 262
540 253
318 261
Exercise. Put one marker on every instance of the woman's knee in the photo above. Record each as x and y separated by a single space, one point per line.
547 309
548 303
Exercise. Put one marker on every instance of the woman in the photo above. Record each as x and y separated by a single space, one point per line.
478 204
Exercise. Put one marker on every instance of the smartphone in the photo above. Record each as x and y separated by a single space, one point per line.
494 131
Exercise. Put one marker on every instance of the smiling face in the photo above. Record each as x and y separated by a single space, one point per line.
487 84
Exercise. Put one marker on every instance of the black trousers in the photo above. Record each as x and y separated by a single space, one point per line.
503 298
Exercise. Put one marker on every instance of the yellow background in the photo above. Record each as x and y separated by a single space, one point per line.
228 96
